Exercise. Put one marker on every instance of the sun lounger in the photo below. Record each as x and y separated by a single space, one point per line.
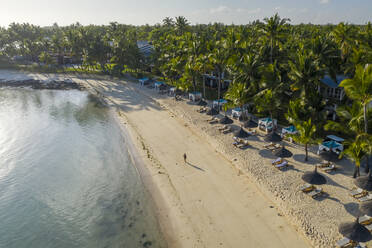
346 242
274 147
329 168
227 130
315 193
358 193
222 127
243 144
269 145
369 227
307 187
365 220
365 198
277 161
281 165
212 119
202 110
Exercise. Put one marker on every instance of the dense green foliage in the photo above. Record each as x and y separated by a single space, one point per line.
274 66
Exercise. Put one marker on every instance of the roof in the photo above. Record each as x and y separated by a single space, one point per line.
335 138
327 80
145 47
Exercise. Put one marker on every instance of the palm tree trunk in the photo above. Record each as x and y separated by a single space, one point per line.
365 118
356 172
271 50
306 153
204 87
219 90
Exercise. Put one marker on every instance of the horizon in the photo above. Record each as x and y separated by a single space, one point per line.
238 12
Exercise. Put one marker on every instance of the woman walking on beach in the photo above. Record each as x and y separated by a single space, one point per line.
184 157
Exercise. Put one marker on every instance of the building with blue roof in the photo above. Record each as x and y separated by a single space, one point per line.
330 88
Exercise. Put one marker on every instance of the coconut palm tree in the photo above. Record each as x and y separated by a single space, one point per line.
359 88
306 131
354 152
274 31
237 95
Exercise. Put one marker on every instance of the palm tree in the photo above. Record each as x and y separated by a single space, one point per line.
266 100
359 88
305 136
237 95
354 152
274 31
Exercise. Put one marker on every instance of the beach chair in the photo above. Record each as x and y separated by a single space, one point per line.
237 141
329 168
366 198
324 163
252 132
213 119
365 220
222 127
346 242
369 227
315 192
202 110
307 187
281 165
269 146
227 130
243 144
273 148
358 193
277 161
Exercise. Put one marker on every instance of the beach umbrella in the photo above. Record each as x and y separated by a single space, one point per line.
282 153
250 124
226 120
355 231
212 111
202 103
273 137
314 177
364 182
241 133
329 156
366 208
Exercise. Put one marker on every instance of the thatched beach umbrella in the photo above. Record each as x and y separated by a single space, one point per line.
282 153
364 182
226 120
366 208
355 231
273 137
241 133
202 103
212 111
314 177
250 124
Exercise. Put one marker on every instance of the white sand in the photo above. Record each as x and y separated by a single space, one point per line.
244 203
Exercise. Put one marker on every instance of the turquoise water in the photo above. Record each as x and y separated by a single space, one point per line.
66 179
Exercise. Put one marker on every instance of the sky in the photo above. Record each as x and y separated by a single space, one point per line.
66 12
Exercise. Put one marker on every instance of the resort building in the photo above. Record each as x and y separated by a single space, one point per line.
332 92
145 48
211 80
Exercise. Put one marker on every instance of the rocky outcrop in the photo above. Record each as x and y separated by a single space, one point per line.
41 84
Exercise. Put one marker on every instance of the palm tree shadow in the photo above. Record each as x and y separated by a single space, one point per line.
194 166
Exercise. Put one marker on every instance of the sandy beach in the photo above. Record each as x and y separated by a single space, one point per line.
223 196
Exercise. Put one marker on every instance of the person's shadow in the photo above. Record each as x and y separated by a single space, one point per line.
194 166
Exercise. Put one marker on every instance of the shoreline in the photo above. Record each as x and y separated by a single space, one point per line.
316 221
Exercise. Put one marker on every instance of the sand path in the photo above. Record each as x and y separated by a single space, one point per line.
214 206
